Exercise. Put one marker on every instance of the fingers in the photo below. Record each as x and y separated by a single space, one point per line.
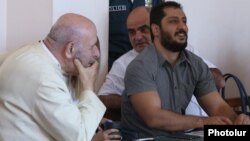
114 137
242 119
78 65
218 120
95 65
226 121
109 131
87 75
81 68
113 134
100 129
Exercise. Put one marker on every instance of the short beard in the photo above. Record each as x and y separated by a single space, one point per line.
171 45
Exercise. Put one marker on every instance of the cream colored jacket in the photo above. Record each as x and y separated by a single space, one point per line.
35 102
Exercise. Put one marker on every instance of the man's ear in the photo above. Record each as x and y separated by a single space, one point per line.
69 50
155 30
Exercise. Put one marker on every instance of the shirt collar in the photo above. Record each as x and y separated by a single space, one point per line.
182 58
52 57
134 52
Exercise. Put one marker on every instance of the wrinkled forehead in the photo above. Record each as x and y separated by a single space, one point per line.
136 22
90 36
138 17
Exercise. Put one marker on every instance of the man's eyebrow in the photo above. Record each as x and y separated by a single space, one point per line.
143 26
173 17
176 17
131 29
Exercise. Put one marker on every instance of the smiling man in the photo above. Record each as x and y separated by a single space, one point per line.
161 80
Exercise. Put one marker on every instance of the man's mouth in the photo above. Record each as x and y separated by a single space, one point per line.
90 64
140 44
182 35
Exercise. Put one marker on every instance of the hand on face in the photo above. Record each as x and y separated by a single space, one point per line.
87 75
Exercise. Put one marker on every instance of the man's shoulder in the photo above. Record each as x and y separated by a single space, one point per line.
195 61
148 55
20 54
125 59
131 54
192 56
146 60
31 58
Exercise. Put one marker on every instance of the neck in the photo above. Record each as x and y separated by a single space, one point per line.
170 56
54 48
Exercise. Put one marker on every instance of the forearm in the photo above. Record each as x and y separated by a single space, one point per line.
216 106
170 121
225 110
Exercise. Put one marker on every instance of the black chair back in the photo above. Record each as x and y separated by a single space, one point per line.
245 102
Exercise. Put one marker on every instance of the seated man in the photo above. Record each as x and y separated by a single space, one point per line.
161 80
102 134
139 34
35 102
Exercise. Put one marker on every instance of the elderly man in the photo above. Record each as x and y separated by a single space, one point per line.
35 101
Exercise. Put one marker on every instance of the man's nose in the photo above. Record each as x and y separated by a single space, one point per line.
96 53
138 35
182 25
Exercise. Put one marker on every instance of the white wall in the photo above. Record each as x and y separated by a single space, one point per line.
3 25
27 21
219 29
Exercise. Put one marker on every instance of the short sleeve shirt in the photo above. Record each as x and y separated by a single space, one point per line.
149 71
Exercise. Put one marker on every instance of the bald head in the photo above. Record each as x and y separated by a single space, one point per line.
73 36
70 27
139 14
138 28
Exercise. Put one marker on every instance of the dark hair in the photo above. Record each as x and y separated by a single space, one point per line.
157 13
